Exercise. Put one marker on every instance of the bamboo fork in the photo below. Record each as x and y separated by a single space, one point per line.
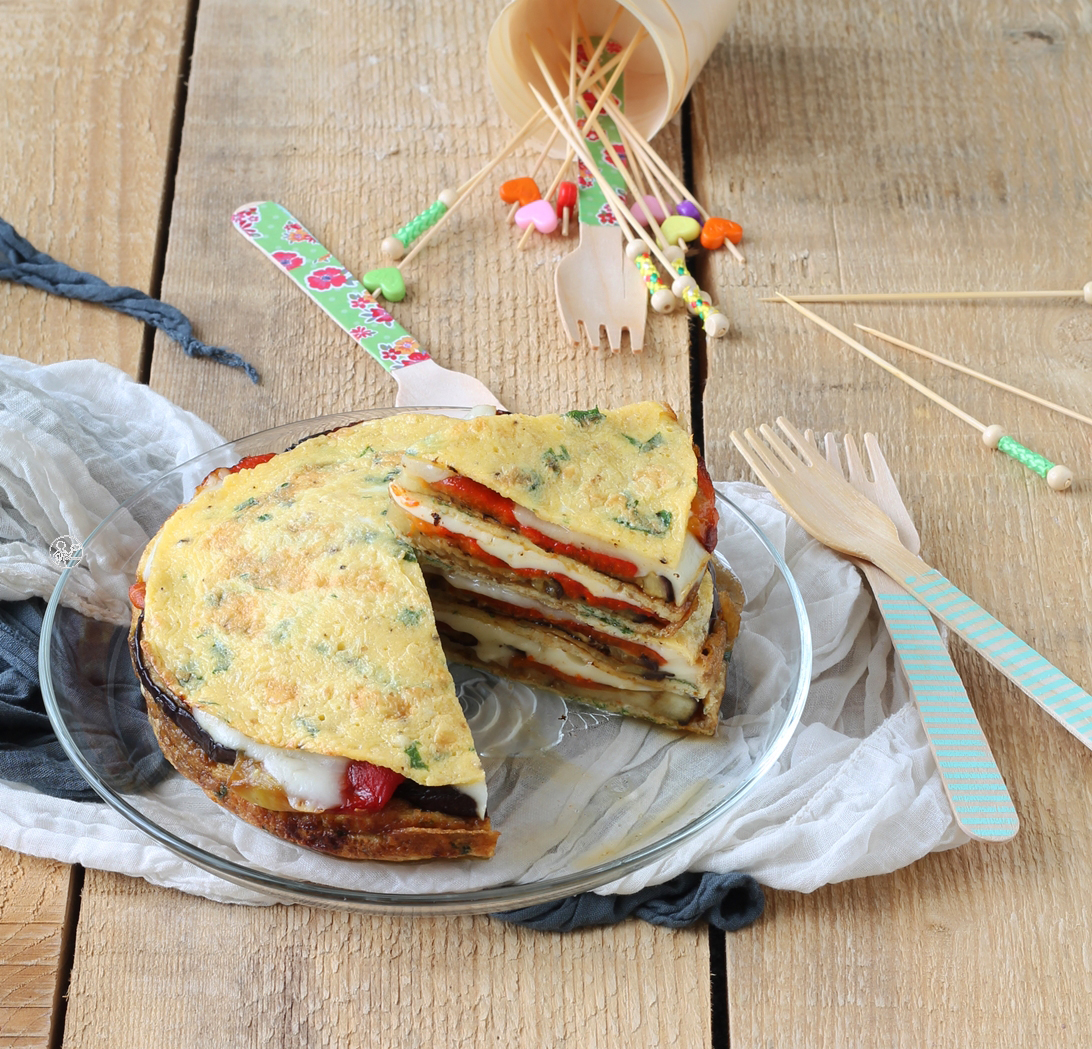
836 514
976 791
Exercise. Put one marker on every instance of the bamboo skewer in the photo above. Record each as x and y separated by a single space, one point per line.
1084 293
535 170
529 126
568 128
552 139
977 375
472 183
655 163
715 323
618 69
634 145
1058 477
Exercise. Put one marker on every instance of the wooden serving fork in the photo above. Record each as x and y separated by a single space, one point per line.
836 514
979 798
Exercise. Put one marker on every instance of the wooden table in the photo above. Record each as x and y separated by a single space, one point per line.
924 144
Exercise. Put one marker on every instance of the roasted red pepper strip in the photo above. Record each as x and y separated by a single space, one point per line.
484 500
250 461
369 787
137 593
703 510
570 587
526 662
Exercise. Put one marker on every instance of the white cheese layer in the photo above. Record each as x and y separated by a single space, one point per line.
517 554
673 664
682 576
498 646
311 782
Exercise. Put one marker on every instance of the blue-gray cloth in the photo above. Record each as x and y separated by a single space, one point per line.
22 263
30 753
113 719
725 901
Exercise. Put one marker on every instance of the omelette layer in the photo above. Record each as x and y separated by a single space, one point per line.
283 603
624 477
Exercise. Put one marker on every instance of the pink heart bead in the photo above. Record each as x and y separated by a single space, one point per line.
540 213
653 208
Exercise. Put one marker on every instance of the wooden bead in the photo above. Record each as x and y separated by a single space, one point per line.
680 284
448 197
1059 477
1088 293
991 436
672 253
716 327
663 301
392 247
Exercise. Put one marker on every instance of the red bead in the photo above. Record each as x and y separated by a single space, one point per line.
566 197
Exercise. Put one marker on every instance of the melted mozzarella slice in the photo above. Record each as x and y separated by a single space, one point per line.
498 645
517 552
681 576
311 782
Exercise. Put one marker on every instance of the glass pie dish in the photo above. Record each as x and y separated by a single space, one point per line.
581 798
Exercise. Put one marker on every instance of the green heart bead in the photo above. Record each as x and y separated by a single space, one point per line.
387 281
679 227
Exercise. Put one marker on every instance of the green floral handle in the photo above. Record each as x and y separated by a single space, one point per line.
282 238
592 205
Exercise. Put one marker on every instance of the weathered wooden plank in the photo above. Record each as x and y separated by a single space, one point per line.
354 119
326 111
88 91
914 147
33 902
188 972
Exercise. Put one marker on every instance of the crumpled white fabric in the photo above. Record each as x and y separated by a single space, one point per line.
77 439
855 792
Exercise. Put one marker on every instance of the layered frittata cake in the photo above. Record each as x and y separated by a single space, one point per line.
292 622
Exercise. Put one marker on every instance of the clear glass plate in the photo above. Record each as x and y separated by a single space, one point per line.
580 797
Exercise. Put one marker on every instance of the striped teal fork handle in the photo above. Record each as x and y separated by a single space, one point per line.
1063 699
978 795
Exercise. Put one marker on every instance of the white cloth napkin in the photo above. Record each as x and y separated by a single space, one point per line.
855 792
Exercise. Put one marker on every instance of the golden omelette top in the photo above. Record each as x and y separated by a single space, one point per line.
283 603
624 476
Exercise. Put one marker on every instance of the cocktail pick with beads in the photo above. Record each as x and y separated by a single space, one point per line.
426 228
977 375
714 322
657 171
394 246
1059 478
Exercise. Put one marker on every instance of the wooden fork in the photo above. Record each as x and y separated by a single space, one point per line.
596 285
979 798
836 514
599 288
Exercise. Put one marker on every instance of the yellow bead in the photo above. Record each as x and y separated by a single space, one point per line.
679 227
